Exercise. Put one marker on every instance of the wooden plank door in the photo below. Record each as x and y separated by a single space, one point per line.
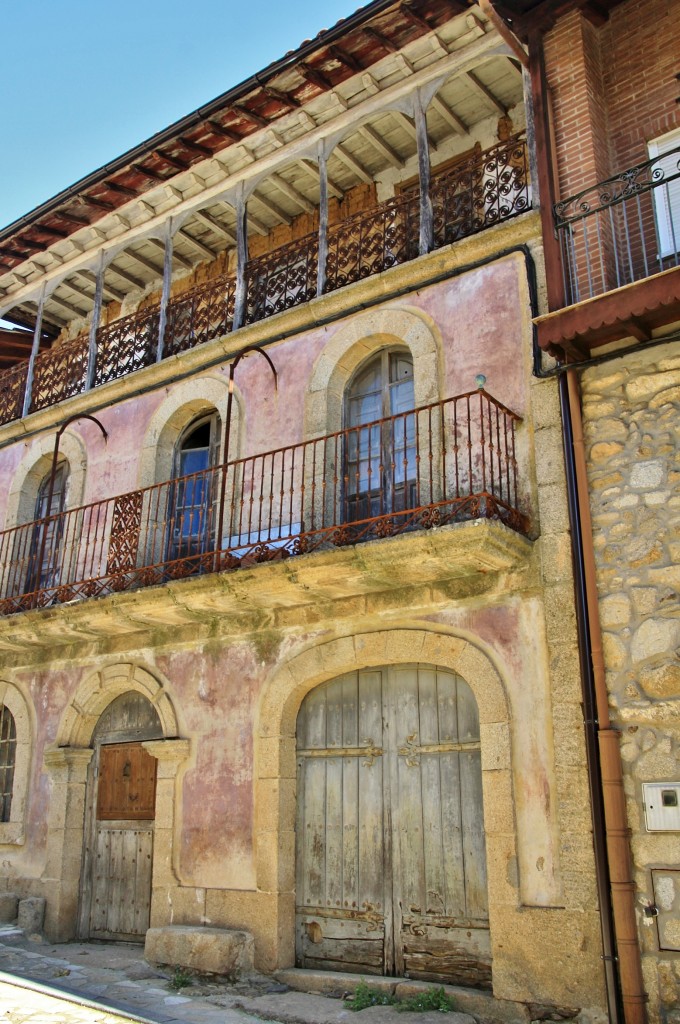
391 864
440 890
122 854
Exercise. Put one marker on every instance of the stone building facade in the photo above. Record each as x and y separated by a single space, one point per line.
302 553
614 309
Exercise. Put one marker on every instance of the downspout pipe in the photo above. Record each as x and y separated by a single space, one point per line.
617 832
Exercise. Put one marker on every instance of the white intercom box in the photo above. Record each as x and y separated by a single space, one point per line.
662 806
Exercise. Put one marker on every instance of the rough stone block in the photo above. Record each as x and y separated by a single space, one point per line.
211 950
31 914
9 903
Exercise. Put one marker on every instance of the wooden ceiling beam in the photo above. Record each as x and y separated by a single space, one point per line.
313 168
182 260
293 193
248 115
197 244
343 57
123 189
312 75
486 92
281 97
180 165
415 19
108 288
144 262
378 143
381 39
149 172
211 222
227 133
271 207
349 161
136 282
100 204
67 305
196 146
449 116
73 218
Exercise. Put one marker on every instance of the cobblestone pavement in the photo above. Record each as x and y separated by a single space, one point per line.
113 975
19 1005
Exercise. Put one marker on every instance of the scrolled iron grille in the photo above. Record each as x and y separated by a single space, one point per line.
126 345
282 279
59 374
8 747
621 230
199 316
12 391
481 193
369 243
626 185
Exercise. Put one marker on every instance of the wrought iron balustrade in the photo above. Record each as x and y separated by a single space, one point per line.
442 463
621 230
489 189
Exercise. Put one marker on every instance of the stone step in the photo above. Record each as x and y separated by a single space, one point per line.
483 1005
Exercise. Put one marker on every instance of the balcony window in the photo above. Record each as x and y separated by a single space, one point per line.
666 155
192 495
380 468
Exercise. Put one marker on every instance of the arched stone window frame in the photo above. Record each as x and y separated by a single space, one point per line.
354 343
34 468
12 831
187 403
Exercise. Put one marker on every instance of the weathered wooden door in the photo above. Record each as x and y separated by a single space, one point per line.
116 893
391 862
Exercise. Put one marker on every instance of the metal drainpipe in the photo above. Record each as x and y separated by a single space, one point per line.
633 996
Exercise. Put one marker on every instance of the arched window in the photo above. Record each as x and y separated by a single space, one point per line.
380 461
193 495
8 746
44 559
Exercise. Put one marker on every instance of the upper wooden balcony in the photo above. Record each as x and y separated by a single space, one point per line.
475 194
620 242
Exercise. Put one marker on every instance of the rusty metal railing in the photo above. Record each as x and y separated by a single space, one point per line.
488 189
447 462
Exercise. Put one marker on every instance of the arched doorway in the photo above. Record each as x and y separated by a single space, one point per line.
115 896
391 858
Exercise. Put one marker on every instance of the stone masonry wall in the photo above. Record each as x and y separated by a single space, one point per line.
632 429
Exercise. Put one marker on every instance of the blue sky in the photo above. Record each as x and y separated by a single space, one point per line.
81 82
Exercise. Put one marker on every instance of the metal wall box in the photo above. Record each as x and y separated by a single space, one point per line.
662 806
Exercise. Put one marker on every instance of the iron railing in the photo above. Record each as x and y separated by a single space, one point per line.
491 188
447 462
621 230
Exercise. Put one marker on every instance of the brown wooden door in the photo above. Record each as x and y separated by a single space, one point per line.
391 861
122 854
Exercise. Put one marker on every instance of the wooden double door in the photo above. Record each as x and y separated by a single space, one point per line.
391 861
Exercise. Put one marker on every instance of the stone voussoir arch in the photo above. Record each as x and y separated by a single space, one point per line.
355 342
293 679
188 400
34 467
96 692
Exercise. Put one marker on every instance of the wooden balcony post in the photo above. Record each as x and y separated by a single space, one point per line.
240 295
323 222
426 243
165 294
35 348
94 325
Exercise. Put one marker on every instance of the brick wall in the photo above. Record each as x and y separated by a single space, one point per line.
613 88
